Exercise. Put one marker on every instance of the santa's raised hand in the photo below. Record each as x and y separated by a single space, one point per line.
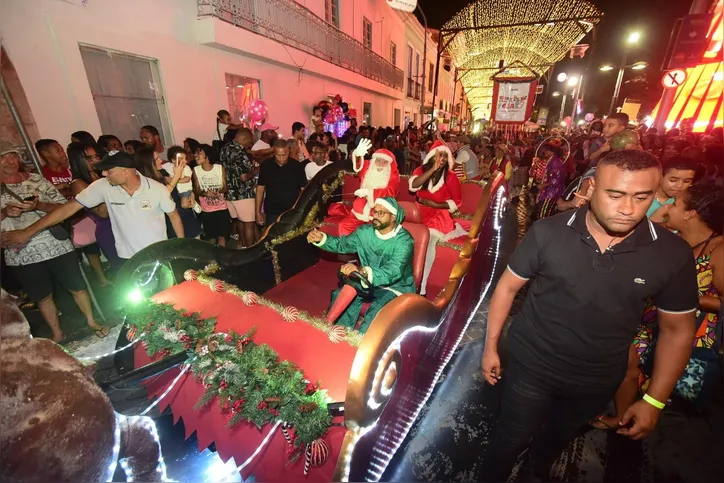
362 148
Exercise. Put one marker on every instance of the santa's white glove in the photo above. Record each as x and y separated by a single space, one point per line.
362 148
362 193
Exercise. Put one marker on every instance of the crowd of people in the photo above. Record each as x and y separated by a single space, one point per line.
629 240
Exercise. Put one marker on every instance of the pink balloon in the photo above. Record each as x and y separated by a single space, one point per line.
257 111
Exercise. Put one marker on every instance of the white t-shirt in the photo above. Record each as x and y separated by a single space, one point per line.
220 132
469 160
180 187
260 145
137 221
311 169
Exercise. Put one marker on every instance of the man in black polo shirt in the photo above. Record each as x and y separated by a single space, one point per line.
280 181
591 271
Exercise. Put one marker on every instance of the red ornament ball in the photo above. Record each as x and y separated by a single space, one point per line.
190 275
290 314
320 452
132 334
217 286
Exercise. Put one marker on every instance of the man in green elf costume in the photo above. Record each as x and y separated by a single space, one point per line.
385 252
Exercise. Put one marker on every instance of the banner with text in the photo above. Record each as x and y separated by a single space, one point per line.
513 101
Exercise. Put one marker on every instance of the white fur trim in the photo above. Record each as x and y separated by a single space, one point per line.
389 235
437 186
384 156
324 240
368 272
362 193
386 204
409 184
450 157
452 207
361 217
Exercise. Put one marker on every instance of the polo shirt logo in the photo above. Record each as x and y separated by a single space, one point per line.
145 205
640 281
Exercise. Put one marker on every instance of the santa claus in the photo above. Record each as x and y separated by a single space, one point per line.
379 178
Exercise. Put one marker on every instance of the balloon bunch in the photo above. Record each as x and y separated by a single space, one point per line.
337 111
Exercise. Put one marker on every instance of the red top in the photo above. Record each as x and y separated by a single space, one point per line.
60 179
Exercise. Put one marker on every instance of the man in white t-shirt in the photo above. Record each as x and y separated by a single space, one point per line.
319 160
136 206
268 135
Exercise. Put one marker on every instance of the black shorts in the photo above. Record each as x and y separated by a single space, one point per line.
92 249
216 223
37 278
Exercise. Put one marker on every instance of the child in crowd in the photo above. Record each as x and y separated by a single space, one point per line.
185 187
316 119
613 124
678 175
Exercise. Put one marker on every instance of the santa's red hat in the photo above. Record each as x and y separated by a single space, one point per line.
383 154
437 147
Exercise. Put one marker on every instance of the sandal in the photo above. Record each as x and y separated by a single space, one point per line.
102 333
599 423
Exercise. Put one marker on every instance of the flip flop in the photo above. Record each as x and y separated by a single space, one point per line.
599 423
102 333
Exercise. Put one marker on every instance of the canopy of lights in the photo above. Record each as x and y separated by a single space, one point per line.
536 33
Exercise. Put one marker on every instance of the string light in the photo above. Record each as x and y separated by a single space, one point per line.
493 31
169 388
266 440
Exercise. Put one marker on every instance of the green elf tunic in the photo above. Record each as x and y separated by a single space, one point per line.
386 261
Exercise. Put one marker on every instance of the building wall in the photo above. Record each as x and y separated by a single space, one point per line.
42 38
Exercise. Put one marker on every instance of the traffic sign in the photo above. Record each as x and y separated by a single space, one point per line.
673 78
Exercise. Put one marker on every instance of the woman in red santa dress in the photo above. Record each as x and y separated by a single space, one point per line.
439 194
379 178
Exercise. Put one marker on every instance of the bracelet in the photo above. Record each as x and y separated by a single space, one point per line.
655 403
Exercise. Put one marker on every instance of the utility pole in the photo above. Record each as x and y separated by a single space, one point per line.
424 67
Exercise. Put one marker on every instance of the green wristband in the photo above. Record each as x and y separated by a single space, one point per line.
655 403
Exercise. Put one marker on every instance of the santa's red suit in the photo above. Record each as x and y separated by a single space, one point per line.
447 190
379 178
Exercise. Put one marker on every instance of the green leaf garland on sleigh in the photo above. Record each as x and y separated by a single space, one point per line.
248 380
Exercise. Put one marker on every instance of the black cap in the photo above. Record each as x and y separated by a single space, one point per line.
115 159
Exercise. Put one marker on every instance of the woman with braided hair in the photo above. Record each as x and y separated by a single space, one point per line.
697 215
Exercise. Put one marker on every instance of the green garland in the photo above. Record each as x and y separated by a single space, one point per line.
250 382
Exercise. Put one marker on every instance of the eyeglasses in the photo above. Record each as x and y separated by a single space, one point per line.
380 213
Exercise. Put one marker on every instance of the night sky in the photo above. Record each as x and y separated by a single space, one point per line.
653 18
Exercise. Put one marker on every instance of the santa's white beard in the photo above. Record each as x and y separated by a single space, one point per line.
376 179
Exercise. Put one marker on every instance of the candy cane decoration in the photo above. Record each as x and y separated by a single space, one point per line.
307 459
284 427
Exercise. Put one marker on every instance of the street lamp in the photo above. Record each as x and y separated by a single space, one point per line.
556 94
573 81
633 38
605 68
639 65
562 77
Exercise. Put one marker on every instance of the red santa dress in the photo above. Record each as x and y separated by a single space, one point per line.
373 184
447 190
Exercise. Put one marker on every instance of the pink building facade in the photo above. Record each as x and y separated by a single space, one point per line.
109 66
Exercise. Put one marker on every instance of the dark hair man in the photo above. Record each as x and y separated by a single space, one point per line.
298 133
319 159
280 181
150 136
591 271
613 124
56 168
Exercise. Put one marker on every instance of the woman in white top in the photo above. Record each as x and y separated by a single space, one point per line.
209 181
